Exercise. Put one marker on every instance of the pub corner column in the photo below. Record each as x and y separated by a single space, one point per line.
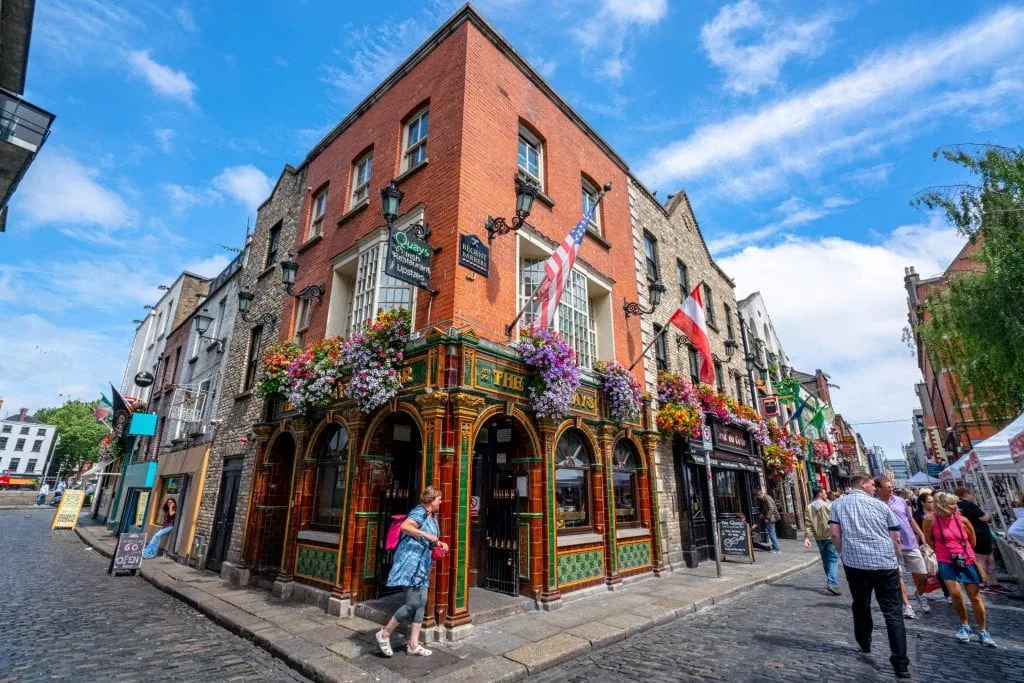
262 433
283 584
340 602
466 408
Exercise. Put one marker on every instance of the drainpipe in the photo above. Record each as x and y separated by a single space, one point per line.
746 354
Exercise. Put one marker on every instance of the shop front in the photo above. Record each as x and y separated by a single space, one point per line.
735 478
136 488
531 508
179 478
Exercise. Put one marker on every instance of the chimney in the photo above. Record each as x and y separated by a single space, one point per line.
22 414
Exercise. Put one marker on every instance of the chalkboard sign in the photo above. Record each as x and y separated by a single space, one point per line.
128 556
736 538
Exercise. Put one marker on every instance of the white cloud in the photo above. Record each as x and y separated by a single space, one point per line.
908 77
246 183
755 64
840 306
188 22
83 283
605 32
791 214
60 190
62 359
870 175
165 138
209 267
370 54
163 79
184 197
75 32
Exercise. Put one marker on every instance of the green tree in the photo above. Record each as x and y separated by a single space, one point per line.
976 324
79 434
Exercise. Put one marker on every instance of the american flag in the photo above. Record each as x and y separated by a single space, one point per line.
557 269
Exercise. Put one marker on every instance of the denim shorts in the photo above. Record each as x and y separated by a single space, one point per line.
947 572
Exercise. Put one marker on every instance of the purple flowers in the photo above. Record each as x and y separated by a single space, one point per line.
621 389
554 374
374 357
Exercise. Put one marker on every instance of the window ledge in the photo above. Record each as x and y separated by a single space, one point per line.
354 211
405 174
567 540
242 396
600 240
635 532
310 242
319 536
267 271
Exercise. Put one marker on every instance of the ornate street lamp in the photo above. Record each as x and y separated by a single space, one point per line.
390 200
203 323
526 192
654 294
245 300
289 269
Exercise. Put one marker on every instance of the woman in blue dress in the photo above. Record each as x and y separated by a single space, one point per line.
410 570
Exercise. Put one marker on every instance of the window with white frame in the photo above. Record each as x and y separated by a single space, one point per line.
361 288
531 156
414 149
583 311
361 171
589 196
316 213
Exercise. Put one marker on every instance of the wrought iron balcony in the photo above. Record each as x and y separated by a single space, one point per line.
24 128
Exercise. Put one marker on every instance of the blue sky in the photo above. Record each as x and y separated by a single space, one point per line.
799 129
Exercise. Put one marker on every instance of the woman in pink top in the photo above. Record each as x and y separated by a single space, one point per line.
953 539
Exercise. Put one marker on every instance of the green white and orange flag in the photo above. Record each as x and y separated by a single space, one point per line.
103 409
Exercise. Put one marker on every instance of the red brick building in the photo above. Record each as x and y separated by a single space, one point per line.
958 422
531 507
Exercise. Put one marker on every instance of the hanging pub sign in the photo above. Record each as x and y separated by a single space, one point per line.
408 257
770 406
474 254
143 379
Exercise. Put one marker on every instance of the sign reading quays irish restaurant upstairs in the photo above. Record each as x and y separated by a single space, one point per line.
408 257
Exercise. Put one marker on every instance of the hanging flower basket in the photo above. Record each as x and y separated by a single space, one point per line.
623 392
554 375
314 375
375 356
778 461
684 406
682 419
276 361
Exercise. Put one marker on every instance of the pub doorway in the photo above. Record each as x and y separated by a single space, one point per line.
499 494
272 509
394 458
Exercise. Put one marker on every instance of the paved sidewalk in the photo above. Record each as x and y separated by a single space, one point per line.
327 648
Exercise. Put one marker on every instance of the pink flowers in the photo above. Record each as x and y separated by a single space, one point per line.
554 374
621 389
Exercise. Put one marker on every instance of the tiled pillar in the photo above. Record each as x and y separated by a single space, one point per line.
606 441
299 493
465 409
550 596
341 592
253 525
433 407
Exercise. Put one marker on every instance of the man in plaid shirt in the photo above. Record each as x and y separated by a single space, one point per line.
867 535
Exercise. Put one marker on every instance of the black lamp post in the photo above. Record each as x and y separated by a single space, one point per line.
654 293
245 300
289 269
526 192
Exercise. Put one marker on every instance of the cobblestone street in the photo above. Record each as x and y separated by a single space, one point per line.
793 631
63 618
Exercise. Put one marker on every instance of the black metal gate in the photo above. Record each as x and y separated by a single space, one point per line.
501 542
392 502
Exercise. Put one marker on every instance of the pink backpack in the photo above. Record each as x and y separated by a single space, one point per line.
394 533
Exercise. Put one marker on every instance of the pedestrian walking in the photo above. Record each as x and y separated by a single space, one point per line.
816 526
833 496
866 534
925 507
44 491
984 549
911 539
410 570
953 538
769 516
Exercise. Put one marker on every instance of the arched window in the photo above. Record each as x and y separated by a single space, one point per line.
627 498
572 483
332 462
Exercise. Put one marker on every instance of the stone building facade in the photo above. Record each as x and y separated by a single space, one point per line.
225 499
670 249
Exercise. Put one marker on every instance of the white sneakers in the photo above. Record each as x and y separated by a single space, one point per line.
922 604
908 612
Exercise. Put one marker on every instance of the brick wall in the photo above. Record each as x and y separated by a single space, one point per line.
238 410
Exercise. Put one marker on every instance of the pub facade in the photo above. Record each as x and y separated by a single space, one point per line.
535 505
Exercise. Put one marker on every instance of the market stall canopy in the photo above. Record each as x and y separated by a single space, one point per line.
994 452
955 471
920 479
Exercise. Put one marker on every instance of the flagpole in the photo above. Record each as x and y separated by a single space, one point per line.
648 347
511 326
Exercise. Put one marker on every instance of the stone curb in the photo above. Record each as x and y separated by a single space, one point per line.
506 668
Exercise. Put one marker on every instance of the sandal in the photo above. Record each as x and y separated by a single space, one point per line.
384 643
420 651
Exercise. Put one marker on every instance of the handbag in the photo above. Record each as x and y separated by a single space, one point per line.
438 553
931 563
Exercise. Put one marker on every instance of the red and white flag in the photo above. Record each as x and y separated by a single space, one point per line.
689 318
